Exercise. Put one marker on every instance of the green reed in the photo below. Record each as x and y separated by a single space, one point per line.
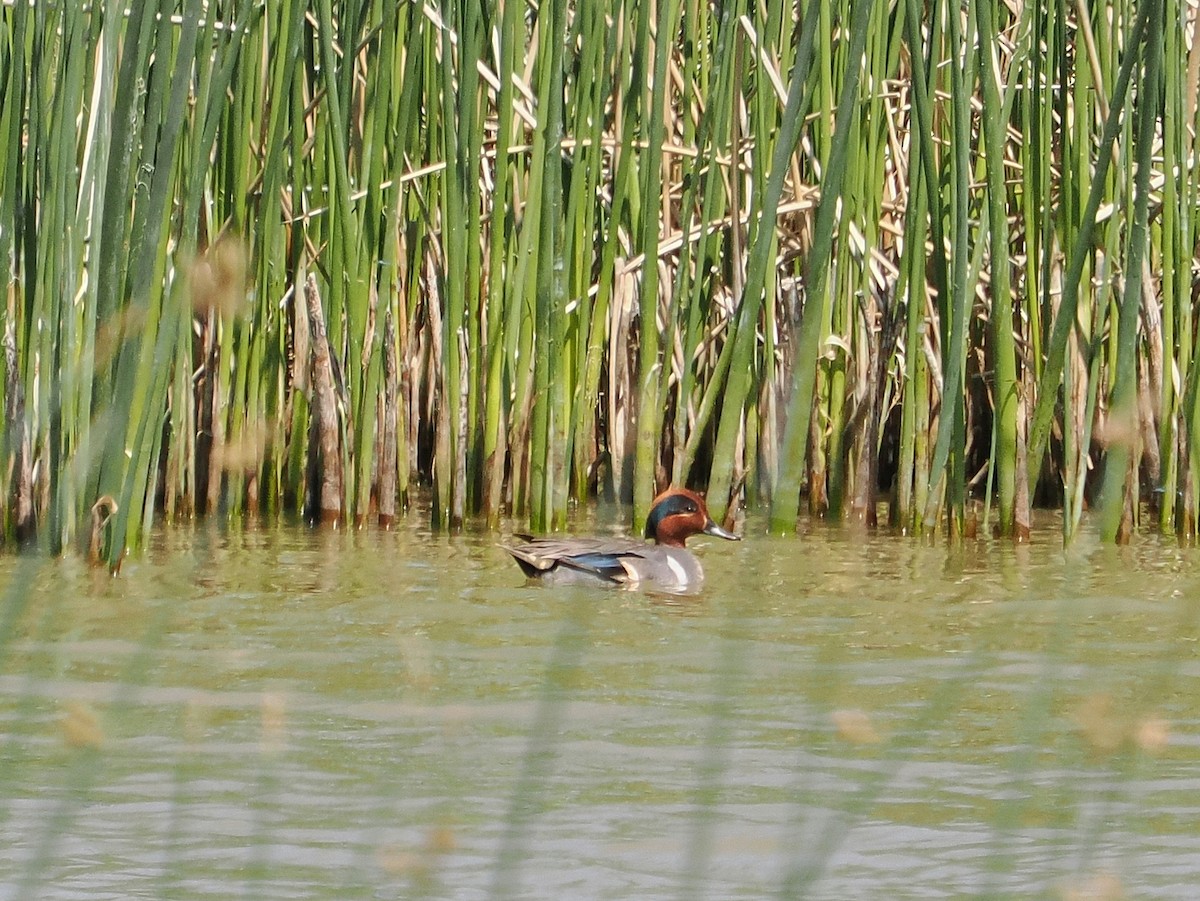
841 253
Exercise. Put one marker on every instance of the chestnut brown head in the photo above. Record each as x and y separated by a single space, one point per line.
677 514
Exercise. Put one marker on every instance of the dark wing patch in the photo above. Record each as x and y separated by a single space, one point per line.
607 566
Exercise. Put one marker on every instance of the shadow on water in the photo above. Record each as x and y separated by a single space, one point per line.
318 714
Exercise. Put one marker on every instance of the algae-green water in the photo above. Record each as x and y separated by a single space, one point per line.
312 713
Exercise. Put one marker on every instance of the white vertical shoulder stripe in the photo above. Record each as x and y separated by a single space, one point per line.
681 575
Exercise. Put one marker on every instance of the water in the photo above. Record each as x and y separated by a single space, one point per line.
309 714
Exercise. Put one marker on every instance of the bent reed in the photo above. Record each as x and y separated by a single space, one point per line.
936 260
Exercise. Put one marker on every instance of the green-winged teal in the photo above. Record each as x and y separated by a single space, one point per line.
675 516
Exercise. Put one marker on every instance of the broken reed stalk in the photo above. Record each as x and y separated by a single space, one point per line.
326 447
389 429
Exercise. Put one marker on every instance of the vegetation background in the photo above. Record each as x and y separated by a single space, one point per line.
309 256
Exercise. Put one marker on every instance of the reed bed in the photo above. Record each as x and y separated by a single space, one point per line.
930 262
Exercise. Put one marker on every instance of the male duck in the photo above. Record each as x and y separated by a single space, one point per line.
675 515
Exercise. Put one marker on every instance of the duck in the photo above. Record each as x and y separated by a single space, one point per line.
666 565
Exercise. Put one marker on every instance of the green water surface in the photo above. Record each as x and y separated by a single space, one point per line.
299 713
